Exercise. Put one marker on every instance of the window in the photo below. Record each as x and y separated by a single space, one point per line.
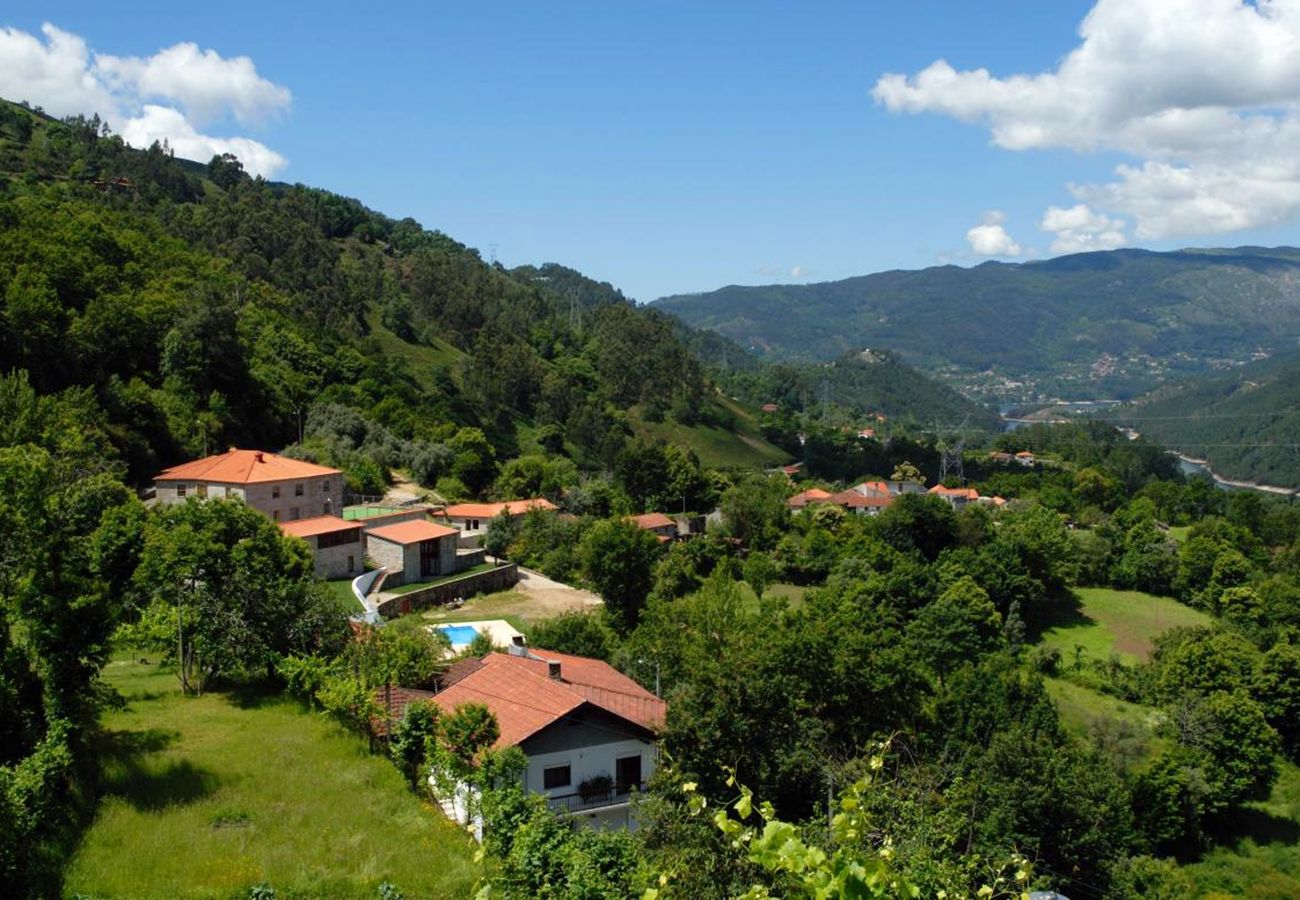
351 565
326 485
627 774
473 524
297 489
201 489
181 489
275 515
556 776
275 492
229 490
338 538
293 513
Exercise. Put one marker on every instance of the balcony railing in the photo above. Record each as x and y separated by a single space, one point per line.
571 803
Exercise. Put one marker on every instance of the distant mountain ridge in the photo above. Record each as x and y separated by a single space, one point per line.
1110 323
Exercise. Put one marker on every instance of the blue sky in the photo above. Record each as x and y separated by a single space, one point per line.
675 147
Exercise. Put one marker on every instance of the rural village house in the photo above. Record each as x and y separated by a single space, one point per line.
587 730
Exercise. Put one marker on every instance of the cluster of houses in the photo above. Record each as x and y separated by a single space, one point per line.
411 544
870 498
587 730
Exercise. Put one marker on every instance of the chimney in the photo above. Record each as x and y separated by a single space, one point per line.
258 456
553 670
517 647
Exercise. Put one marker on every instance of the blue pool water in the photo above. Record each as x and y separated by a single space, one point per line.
459 635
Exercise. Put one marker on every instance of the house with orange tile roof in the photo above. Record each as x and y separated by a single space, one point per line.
588 730
957 498
1025 458
284 489
472 518
335 543
808 497
658 524
417 550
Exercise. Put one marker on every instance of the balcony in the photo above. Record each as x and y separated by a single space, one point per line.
589 800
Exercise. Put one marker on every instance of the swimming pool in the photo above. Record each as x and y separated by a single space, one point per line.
459 635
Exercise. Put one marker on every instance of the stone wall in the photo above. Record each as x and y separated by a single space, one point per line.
332 562
498 579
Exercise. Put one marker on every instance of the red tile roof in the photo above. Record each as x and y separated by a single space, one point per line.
968 493
525 699
305 528
244 467
490 510
852 499
873 487
650 521
412 532
812 495
395 700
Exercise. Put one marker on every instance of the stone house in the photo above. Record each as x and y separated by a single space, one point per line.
283 489
417 550
335 544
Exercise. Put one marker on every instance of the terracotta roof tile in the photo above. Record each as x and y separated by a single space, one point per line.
244 467
490 510
305 528
412 532
653 520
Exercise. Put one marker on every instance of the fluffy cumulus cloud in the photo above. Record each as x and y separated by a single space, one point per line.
1203 94
190 89
990 237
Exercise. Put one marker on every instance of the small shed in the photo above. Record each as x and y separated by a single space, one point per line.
335 544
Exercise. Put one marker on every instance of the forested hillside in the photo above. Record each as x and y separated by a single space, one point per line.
200 308
1245 422
1092 324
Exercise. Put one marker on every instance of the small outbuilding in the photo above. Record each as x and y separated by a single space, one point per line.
413 551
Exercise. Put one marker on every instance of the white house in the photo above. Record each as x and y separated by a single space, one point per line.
587 730
472 518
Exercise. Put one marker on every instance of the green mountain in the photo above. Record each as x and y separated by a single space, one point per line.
1106 324
1244 422
180 307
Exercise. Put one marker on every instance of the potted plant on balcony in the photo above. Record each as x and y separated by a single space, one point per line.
596 787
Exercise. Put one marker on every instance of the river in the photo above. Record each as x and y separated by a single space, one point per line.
1192 466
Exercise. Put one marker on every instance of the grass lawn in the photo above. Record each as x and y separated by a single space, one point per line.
1261 857
792 594
515 607
417 585
1126 729
341 588
1107 621
743 447
1179 532
205 797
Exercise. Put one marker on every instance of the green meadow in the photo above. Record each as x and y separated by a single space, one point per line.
209 796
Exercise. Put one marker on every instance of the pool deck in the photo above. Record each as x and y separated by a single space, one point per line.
501 632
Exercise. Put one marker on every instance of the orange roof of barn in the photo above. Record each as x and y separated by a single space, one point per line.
244 467
489 510
653 520
412 532
305 528
812 495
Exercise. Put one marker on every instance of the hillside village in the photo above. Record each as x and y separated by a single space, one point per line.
510 586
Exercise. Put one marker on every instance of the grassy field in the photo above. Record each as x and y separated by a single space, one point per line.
792 594
424 358
1261 859
717 447
1106 621
206 797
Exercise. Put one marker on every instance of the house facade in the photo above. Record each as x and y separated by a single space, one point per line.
472 518
662 527
412 551
336 544
587 730
283 489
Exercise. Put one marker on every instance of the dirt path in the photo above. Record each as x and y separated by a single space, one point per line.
548 594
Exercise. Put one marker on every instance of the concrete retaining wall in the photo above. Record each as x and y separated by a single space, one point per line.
498 579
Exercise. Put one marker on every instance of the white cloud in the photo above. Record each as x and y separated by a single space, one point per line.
990 237
1079 229
1205 94
62 75
798 272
